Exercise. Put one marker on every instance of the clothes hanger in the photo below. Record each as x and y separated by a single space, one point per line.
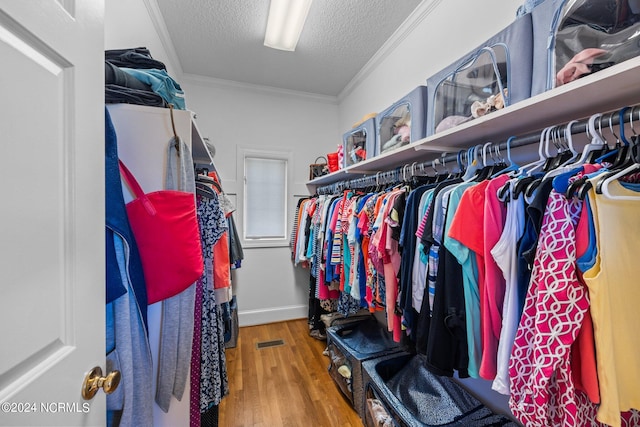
527 177
624 151
208 180
624 160
486 169
603 184
205 191
474 166
510 165
565 170
618 152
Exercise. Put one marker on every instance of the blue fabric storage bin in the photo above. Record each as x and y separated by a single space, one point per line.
359 143
403 122
494 75
577 38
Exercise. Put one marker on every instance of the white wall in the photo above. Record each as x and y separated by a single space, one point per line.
440 32
234 117
128 24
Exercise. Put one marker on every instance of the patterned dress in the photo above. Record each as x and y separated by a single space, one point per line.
213 369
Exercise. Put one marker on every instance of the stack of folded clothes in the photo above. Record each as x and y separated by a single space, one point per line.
132 76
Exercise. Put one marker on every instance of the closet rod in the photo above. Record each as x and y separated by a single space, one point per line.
605 120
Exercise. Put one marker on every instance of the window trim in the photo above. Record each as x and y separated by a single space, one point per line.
287 157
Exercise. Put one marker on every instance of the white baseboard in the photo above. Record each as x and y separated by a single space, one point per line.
270 315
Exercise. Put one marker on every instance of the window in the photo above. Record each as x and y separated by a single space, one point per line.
265 197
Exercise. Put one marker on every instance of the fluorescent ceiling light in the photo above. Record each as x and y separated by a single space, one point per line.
286 19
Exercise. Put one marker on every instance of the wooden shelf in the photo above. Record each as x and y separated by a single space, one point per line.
603 91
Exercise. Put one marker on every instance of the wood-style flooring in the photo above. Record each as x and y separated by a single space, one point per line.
284 385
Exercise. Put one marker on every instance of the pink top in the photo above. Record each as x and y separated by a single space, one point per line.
542 390
494 283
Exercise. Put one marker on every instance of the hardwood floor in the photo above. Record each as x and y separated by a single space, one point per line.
284 385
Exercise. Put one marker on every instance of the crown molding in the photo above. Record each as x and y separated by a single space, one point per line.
249 87
163 33
423 10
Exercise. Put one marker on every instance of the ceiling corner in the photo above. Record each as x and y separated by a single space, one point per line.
413 20
163 34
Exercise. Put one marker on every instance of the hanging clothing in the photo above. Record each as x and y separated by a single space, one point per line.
213 381
542 389
127 344
614 294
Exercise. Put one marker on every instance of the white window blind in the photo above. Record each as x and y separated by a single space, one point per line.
265 198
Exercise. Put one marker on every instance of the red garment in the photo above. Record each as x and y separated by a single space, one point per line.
583 351
222 263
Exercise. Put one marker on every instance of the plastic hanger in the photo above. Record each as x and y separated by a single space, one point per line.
603 184
531 167
562 169
208 180
595 147
624 151
474 165
527 177
613 156
511 166
486 169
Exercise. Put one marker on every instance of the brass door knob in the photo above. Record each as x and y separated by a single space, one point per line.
94 380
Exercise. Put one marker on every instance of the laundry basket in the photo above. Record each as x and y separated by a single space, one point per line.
349 345
410 395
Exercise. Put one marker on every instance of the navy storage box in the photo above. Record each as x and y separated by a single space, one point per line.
360 142
401 386
492 76
349 345
403 122
577 38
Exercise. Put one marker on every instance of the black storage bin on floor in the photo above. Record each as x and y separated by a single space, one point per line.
349 345
404 393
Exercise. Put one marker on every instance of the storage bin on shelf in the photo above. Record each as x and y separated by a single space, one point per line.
404 121
494 75
359 143
576 38
350 344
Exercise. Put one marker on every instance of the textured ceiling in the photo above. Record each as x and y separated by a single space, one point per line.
224 39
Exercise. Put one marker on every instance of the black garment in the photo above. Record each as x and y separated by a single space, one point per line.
399 206
236 253
210 417
139 58
535 211
315 310
407 246
447 348
441 334
122 95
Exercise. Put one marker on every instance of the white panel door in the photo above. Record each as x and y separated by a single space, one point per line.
51 210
